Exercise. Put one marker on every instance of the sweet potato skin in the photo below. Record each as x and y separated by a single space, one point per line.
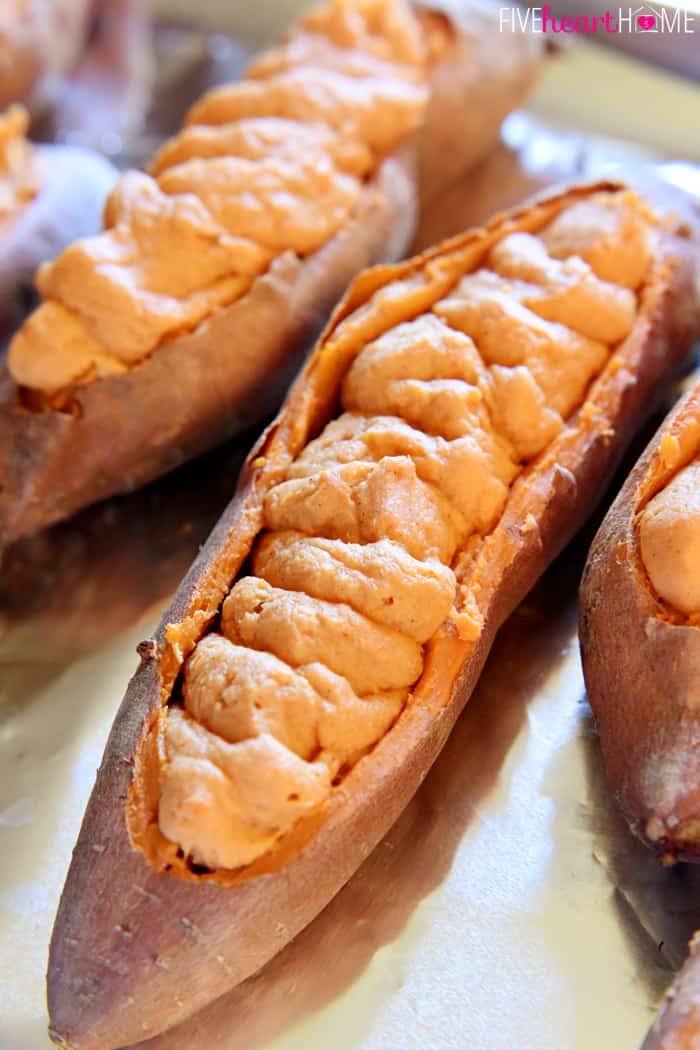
678 1025
483 77
126 430
642 662
74 186
136 949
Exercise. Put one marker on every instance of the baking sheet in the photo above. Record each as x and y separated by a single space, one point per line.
508 909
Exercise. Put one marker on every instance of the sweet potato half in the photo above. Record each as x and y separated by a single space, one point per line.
641 658
200 385
144 937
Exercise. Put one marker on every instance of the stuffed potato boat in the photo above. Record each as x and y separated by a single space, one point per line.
452 428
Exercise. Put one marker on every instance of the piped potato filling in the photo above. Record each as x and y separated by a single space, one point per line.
319 647
275 163
19 166
669 537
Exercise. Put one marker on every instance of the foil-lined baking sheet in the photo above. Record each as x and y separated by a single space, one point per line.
508 909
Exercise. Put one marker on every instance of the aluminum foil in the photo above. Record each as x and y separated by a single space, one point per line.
508 909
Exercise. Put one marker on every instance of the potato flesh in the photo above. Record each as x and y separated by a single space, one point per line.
366 502
353 572
611 236
258 138
565 290
669 535
510 334
381 580
272 164
239 693
300 629
324 95
473 472
211 782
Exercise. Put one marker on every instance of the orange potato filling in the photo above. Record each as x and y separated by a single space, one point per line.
669 536
353 574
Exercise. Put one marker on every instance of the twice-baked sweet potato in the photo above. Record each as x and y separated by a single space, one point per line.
452 428
640 638
678 1025
49 195
185 319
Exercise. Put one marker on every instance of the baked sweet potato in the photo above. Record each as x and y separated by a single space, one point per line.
459 468
127 369
641 650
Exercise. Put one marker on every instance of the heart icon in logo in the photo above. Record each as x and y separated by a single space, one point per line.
646 21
